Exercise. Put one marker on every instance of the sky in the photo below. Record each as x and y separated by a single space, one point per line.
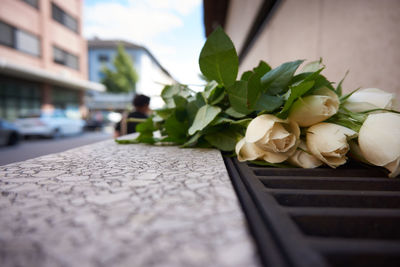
172 30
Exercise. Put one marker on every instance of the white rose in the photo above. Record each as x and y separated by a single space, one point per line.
328 142
268 138
303 158
248 151
370 98
315 108
379 141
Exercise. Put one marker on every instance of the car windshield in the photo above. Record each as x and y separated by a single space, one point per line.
46 114
54 114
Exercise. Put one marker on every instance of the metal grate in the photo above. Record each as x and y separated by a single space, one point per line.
349 216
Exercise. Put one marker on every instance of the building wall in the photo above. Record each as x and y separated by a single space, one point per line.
96 64
362 36
151 77
40 23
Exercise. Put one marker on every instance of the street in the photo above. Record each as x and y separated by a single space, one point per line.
33 148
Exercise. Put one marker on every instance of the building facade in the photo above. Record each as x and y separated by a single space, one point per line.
43 57
361 36
152 76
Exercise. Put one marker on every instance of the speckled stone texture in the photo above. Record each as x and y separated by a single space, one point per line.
122 205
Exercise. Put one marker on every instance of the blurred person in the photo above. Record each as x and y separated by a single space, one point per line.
141 111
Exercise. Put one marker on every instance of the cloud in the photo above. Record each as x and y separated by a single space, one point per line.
183 7
143 22
137 23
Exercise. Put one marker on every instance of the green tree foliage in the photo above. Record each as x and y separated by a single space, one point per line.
124 77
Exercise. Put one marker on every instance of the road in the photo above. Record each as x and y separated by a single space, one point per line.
33 148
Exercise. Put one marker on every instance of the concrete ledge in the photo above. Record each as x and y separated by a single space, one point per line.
122 205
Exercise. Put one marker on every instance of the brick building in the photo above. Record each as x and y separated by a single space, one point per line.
43 57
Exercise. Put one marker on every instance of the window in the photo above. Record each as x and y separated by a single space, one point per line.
27 43
19 39
62 17
18 98
65 99
33 3
103 58
64 58
6 34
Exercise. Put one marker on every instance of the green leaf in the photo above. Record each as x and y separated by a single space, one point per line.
233 113
180 101
268 103
180 110
218 59
193 140
176 130
170 91
193 106
238 97
277 80
146 139
145 130
165 112
339 89
126 141
306 76
204 116
312 66
246 75
216 96
254 85
243 122
209 88
345 97
262 67
321 81
146 127
224 140
223 120
295 92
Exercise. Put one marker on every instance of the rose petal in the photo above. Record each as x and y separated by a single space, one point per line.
275 157
379 138
370 98
260 126
302 158
277 140
328 142
247 151
394 168
312 109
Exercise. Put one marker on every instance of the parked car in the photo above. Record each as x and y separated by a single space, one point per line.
49 124
9 134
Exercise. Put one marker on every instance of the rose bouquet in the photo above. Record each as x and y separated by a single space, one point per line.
277 117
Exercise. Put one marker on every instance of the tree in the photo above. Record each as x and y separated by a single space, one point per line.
124 77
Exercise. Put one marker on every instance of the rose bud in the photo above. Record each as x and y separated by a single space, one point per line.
309 110
379 141
368 99
328 142
277 138
303 158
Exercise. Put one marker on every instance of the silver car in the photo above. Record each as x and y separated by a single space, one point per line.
49 124
9 134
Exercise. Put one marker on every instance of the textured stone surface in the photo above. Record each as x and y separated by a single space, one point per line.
122 205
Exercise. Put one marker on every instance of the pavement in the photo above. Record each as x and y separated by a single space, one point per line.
32 148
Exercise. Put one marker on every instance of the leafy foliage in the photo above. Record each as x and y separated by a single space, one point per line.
219 115
124 77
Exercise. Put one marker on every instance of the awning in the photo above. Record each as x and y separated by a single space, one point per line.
40 75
